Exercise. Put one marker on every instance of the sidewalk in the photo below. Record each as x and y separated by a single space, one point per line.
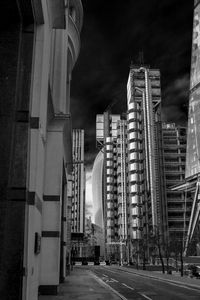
175 277
82 285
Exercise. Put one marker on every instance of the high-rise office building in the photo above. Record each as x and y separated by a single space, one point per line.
133 178
145 159
78 183
192 183
178 203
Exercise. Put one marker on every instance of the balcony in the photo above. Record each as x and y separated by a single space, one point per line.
173 200
175 209
174 171
177 219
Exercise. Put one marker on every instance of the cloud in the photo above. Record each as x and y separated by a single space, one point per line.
113 33
175 100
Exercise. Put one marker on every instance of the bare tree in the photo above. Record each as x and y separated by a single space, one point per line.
157 240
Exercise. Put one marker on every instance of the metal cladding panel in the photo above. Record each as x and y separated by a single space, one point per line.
99 127
195 63
193 138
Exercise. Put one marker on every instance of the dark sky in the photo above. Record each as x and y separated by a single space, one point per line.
113 34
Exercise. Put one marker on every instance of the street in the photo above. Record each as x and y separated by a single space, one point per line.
133 286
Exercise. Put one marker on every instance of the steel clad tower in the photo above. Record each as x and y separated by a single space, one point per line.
133 178
145 171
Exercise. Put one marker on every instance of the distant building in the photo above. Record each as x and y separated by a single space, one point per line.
97 189
95 240
146 177
78 183
134 203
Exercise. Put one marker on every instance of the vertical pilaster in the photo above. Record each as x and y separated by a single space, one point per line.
51 227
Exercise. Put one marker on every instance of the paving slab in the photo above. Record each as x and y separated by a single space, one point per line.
81 284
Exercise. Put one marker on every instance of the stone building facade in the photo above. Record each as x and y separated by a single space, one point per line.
40 42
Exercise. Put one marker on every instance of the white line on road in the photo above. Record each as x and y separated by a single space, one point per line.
114 280
128 287
108 286
145 296
105 275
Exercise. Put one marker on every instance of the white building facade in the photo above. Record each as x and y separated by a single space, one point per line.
56 49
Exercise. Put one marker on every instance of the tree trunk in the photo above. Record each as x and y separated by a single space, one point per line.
181 258
167 264
144 259
161 259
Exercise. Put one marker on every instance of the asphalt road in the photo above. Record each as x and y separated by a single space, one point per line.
132 286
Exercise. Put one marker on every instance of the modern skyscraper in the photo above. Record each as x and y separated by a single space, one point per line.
192 183
133 176
178 203
193 138
145 159
78 183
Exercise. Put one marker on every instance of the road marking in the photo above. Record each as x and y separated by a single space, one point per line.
105 275
128 287
145 296
108 286
111 280
108 280
114 280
